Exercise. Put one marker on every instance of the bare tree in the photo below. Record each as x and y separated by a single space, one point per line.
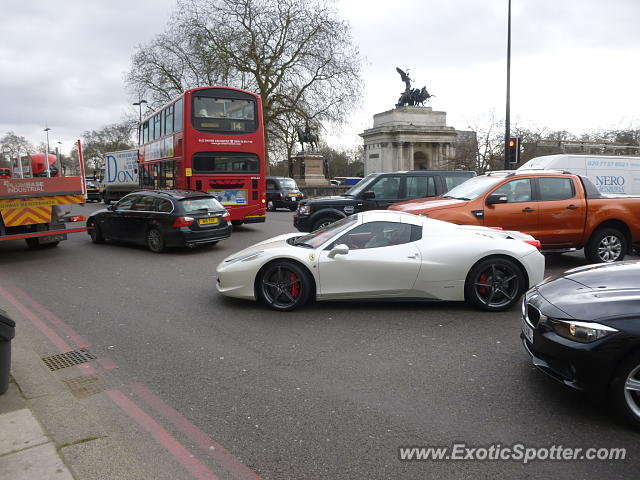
15 145
298 56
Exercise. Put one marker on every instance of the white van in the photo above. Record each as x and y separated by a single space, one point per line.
609 174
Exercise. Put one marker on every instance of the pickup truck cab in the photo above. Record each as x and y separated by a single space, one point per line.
376 192
564 212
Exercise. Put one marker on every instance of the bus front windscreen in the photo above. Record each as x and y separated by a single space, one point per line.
217 114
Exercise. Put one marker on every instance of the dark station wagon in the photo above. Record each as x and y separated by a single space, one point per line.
161 219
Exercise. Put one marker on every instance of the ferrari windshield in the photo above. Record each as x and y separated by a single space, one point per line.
473 188
320 236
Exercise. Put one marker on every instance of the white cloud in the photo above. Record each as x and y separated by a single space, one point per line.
574 62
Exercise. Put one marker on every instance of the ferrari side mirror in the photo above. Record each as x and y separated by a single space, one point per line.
338 250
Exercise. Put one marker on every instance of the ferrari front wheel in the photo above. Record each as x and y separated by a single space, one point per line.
284 286
494 284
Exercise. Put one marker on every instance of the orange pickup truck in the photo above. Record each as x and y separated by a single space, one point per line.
565 212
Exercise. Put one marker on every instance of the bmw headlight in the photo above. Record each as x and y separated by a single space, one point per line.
583 332
304 210
244 258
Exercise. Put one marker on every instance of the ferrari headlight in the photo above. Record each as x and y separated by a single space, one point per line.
244 258
304 210
583 332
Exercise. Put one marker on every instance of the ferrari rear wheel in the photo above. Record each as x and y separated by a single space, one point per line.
494 284
284 286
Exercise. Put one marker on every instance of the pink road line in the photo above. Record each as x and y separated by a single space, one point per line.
106 363
68 331
44 328
197 436
198 469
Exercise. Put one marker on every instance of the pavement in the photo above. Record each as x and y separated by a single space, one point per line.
26 451
54 427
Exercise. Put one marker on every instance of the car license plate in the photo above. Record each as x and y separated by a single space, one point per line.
527 330
208 221
293 194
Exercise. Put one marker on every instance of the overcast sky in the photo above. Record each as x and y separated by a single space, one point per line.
575 63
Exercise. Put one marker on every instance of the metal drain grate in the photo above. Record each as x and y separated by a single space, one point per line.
67 359
82 387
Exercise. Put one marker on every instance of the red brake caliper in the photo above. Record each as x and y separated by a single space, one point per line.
295 285
482 279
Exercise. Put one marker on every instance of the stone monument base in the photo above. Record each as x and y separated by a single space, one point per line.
308 169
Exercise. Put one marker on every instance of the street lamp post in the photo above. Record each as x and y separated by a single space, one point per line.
139 105
507 118
46 155
59 148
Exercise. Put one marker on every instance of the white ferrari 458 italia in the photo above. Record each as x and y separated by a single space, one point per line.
390 255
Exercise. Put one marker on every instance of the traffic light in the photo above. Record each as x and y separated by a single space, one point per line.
513 150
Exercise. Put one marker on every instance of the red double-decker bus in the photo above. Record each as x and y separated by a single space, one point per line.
209 139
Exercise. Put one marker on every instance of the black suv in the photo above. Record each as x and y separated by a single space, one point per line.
376 192
282 192
162 218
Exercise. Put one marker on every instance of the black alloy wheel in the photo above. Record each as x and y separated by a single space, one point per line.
95 233
284 286
155 240
625 390
494 284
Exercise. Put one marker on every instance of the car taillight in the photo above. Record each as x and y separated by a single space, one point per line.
183 221
535 243
77 218
226 217
281 195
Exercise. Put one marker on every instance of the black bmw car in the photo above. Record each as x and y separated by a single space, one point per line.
583 328
161 219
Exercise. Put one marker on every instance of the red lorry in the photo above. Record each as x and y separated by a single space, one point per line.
564 211
35 207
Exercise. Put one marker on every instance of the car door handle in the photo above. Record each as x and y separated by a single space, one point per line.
415 255
573 207
528 209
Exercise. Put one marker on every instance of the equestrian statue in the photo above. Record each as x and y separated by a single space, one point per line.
307 136
411 96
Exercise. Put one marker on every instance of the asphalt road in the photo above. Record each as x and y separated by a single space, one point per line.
330 391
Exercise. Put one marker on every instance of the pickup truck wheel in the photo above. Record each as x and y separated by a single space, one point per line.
606 245
494 284
323 222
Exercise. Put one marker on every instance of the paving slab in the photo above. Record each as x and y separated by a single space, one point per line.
41 462
20 430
